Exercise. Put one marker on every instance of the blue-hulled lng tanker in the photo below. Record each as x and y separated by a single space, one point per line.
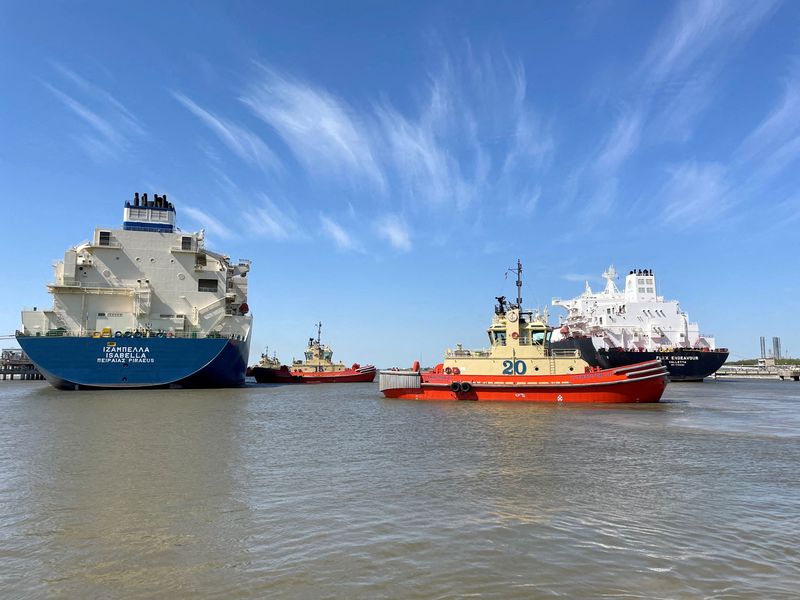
146 305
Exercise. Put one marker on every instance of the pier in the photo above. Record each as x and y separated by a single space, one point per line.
15 364
765 369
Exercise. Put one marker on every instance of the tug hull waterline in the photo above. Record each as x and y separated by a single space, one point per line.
140 307
644 382
520 366
284 375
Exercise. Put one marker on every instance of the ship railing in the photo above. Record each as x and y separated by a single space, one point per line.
137 335
564 352
467 353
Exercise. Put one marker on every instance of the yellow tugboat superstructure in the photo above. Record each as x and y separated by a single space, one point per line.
519 344
318 357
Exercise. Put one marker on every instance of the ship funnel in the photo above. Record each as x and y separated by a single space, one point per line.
136 199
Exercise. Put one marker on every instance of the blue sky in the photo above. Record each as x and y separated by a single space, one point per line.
382 164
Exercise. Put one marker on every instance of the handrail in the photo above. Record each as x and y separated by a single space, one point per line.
140 335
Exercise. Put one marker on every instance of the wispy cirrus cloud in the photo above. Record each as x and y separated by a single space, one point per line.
322 131
112 128
665 97
242 142
267 219
125 116
680 72
780 129
207 222
696 28
395 230
695 192
337 233
472 134
622 141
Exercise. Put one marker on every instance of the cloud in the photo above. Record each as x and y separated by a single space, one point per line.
474 135
675 120
695 192
524 204
394 229
322 131
207 222
427 171
267 219
621 143
336 232
112 128
124 115
245 144
695 27
778 131
679 75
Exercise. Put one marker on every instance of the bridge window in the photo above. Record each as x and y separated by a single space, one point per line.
207 285
105 238
186 243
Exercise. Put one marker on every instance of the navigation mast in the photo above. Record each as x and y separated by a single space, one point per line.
319 346
518 272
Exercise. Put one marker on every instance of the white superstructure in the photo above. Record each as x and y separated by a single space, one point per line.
635 318
146 278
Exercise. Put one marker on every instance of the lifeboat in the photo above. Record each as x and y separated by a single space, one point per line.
520 366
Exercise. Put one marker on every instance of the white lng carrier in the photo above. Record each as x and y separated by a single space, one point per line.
618 327
146 305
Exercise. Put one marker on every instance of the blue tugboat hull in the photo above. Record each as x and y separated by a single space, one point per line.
129 362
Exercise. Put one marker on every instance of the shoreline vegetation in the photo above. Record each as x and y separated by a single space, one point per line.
748 362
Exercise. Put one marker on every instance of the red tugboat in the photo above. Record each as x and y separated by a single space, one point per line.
519 366
317 367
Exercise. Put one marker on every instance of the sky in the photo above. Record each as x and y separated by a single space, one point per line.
383 164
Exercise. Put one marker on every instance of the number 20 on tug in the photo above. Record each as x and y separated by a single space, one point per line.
520 366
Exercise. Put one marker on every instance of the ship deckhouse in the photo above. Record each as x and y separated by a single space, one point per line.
145 278
635 318
518 344
318 357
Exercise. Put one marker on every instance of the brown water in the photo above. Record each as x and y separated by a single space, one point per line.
330 491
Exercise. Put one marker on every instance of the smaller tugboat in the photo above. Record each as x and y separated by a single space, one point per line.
318 367
521 366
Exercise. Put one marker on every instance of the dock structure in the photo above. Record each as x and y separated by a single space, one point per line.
15 364
765 369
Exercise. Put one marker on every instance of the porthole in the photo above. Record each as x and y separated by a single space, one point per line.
152 260
536 368
181 276
571 369
106 273
138 259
